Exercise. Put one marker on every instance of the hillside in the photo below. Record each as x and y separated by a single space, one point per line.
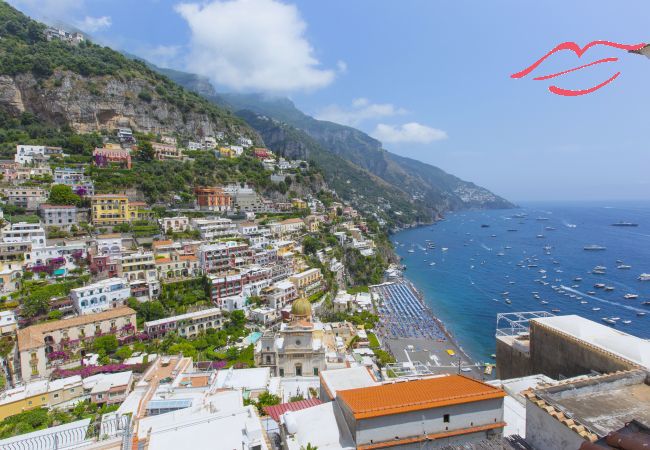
436 188
421 190
93 88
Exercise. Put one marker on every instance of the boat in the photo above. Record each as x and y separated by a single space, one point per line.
540 236
609 321
625 224
485 225
595 309
644 277
627 322
630 296
532 265
571 225
599 269
640 314
432 263
598 272
444 249
508 301
577 279
616 318
594 247
549 228
646 303
609 288
544 302
512 230
505 293
591 293
623 267
411 251
584 302
555 310
599 286
542 219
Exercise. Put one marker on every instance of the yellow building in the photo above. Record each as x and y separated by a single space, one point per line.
226 152
41 393
110 209
114 209
308 282
298 203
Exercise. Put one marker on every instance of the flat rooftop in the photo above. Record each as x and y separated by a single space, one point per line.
625 345
603 403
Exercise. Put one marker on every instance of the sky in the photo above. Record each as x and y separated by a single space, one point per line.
430 79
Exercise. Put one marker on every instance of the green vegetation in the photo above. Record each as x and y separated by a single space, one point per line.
37 294
373 342
358 289
364 270
264 399
40 418
60 194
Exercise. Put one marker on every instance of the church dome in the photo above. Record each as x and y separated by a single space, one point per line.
301 308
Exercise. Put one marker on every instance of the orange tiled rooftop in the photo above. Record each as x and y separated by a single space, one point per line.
401 397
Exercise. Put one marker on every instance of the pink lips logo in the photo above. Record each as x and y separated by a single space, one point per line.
575 48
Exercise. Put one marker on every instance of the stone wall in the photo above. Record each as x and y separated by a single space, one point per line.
511 362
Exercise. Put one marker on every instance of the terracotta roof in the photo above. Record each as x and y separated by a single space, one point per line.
276 411
401 397
32 337
188 258
162 243
109 236
163 260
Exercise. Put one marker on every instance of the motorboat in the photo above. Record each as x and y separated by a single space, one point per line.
631 296
594 247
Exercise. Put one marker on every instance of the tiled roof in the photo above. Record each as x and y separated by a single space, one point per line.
162 243
401 397
32 337
276 411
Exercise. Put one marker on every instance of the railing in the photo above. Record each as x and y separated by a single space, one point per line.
118 427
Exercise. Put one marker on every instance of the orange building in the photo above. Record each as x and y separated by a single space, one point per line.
212 199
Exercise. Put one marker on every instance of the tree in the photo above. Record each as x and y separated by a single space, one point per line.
266 399
35 305
60 194
237 318
106 344
310 245
185 348
308 447
124 352
146 151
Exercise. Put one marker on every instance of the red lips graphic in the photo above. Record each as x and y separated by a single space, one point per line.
579 52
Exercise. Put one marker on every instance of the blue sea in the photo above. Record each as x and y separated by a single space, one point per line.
477 260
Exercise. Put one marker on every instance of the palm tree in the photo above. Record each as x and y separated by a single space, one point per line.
309 447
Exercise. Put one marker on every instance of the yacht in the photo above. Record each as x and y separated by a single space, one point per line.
540 236
599 286
541 219
591 293
623 267
594 247
625 224
411 250
627 322
508 301
544 302
555 310
595 309
640 314
485 225
584 302
644 277
631 296
432 263
609 321
609 288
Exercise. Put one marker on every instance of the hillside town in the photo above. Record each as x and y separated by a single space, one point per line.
161 290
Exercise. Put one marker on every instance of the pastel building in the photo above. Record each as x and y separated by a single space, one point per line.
101 296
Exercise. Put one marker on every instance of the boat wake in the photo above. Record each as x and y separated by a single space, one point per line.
485 247
575 291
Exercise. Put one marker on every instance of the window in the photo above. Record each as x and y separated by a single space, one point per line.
445 418
315 371
56 395
281 372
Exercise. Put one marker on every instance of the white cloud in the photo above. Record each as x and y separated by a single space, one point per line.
92 24
411 132
361 110
252 45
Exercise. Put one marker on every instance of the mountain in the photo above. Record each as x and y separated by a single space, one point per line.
93 88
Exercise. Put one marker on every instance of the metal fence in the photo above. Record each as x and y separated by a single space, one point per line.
117 427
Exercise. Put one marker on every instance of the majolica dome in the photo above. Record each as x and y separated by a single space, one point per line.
301 308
